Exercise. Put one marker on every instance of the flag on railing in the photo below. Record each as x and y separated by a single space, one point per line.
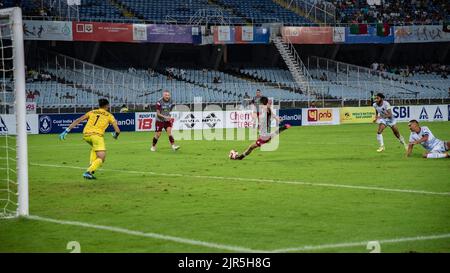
383 30
446 26
358 29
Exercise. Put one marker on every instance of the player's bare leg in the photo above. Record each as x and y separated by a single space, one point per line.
399 136
254 145
171 139
247 152
155 141
381 128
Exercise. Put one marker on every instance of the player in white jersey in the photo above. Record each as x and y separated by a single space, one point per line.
266 115
384 118
435 148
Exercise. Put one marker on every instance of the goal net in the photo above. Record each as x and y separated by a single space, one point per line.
13 124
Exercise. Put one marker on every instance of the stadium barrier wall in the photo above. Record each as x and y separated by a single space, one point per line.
8 124
145 121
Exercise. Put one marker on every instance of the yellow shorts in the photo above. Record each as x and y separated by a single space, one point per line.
97 142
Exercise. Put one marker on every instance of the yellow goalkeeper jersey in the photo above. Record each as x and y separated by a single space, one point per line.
97 122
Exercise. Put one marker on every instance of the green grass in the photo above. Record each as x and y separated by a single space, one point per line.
249 214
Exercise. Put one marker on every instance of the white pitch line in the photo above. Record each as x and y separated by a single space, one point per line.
328 185
363 243
231 247
146 234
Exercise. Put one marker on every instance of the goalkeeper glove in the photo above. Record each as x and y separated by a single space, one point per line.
115 135
63 135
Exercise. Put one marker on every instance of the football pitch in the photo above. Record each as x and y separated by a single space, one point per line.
325 189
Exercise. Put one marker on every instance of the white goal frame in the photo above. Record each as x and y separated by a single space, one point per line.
15 17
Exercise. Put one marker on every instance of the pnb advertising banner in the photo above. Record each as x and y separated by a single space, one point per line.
320 116
8 124
47 30
357 114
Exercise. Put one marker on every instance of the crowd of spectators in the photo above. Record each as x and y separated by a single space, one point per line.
394 12
411 70
33 76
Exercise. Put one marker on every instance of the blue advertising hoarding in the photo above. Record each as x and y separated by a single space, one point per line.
291 116
370 38
56 123
240 35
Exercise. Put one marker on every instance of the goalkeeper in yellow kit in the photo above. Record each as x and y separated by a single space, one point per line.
97 122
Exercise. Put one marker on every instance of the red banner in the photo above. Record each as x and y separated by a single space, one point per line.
308 35
102 32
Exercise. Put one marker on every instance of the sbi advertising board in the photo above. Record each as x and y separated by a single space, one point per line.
421 113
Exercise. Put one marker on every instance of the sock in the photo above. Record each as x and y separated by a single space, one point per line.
380 139
155 140
93 157
95 165
172 141
436 155
402 140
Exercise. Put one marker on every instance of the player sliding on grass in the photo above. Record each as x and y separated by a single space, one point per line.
97 122
385 118
163 120
266 115
436 148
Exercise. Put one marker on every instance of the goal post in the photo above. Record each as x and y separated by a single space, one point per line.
13 96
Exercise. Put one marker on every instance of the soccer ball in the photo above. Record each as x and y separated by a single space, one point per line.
233 154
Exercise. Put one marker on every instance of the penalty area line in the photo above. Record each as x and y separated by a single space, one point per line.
152 235
328 185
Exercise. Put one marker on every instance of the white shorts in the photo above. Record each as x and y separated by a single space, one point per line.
439 148
388 122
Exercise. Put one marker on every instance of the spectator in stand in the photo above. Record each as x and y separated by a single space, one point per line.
36 93
30 96
151 72
124 109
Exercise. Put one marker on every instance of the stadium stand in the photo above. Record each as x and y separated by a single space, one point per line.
256 11
392 11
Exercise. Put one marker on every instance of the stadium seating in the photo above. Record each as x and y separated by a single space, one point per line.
93 10
82 91
264 11
256 11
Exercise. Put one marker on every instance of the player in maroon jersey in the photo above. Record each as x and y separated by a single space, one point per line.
266 115
163 120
